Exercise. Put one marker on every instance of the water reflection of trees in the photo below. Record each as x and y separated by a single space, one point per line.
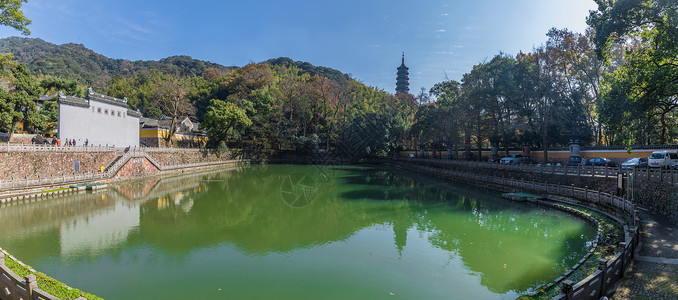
490 235
250 209
247 208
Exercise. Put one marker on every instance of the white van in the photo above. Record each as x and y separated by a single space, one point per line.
662 159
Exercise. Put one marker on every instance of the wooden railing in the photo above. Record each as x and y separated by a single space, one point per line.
14 287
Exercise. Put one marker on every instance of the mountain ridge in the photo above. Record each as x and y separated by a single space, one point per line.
77 62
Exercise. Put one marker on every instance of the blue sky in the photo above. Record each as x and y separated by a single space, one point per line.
363 38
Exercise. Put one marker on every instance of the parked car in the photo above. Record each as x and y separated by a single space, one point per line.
662 159
494 159
636 162
601 161
514 159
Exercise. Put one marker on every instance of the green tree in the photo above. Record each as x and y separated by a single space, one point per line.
53 85
17 100
224 120
569 60
648 77
439 124
12 15
49 110
370 135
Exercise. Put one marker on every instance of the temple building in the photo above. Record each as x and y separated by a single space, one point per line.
403 79
188 134
99 120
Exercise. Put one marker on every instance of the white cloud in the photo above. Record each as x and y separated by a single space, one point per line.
445 14
440 30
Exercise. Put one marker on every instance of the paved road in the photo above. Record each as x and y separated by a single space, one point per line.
655 272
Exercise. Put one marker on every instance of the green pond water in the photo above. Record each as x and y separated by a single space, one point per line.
295 232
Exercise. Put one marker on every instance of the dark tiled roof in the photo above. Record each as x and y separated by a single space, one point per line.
47 97
107 99
133 113
74 101
165 122
148 123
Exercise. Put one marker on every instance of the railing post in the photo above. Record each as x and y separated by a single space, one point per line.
602 266
621 247
567 288
598 196
572 189
661 175
586 193
579 170
31 284
558 188
671 173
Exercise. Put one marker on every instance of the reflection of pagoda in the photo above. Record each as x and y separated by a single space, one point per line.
402 81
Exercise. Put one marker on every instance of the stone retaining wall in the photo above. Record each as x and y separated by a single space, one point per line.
42 167
136 167
169 158
22 165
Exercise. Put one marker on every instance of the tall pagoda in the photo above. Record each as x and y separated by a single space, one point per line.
403 79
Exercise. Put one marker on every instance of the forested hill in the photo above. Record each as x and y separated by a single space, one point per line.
75 61
309 68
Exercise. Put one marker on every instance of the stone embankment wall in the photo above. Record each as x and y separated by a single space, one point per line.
173 157
32 165
138 166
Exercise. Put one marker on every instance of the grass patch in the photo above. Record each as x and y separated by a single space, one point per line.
49 284
55 190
